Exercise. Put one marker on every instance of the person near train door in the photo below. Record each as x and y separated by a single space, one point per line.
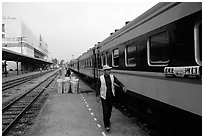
106 92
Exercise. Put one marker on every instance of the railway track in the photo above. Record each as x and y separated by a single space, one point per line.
12 112
15 82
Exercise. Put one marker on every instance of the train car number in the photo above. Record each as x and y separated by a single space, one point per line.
188 71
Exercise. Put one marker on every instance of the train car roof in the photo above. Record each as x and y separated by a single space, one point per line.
149 14
86 54
158 7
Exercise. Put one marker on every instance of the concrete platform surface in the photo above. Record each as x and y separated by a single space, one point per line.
67 114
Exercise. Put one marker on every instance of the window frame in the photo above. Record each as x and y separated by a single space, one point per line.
126 60
114 57
197 43
102 63
91 62
106 57
3 28
3 36
157 63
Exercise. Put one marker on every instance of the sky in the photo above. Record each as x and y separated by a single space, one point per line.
72 27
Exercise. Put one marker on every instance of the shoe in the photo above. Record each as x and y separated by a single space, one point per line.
107 129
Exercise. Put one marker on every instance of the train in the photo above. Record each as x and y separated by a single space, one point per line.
158 57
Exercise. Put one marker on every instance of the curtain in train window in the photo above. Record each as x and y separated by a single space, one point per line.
130 55
115 57
159 48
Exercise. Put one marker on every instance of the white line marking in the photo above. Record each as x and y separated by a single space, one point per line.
98 125
104 134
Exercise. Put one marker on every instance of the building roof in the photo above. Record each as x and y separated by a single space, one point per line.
10 55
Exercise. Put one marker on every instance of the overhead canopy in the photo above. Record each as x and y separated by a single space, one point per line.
9 55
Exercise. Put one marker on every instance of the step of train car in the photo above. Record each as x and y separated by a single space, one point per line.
78 114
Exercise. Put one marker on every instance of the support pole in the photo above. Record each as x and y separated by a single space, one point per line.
17 67
5 68
22 67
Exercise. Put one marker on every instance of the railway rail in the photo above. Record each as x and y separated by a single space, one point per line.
15 82
12 112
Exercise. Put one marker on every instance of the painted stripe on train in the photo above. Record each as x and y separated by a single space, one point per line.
187 96
156 75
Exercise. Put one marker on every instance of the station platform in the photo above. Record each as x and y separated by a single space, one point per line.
68 114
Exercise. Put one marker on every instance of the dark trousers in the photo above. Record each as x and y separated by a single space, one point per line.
107 105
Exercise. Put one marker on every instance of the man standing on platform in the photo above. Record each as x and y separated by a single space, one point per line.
106 92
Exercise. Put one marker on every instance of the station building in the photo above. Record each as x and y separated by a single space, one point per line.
18 37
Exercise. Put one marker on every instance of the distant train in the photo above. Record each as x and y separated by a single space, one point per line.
158 57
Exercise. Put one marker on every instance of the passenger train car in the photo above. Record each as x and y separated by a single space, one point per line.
158 57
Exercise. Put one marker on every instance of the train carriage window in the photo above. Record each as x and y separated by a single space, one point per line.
91 63
198 42
106 58
130 58
99 61
3 27
102 60
115 58
157 50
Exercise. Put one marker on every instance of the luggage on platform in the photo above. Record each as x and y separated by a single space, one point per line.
66 85
74 85
59 85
